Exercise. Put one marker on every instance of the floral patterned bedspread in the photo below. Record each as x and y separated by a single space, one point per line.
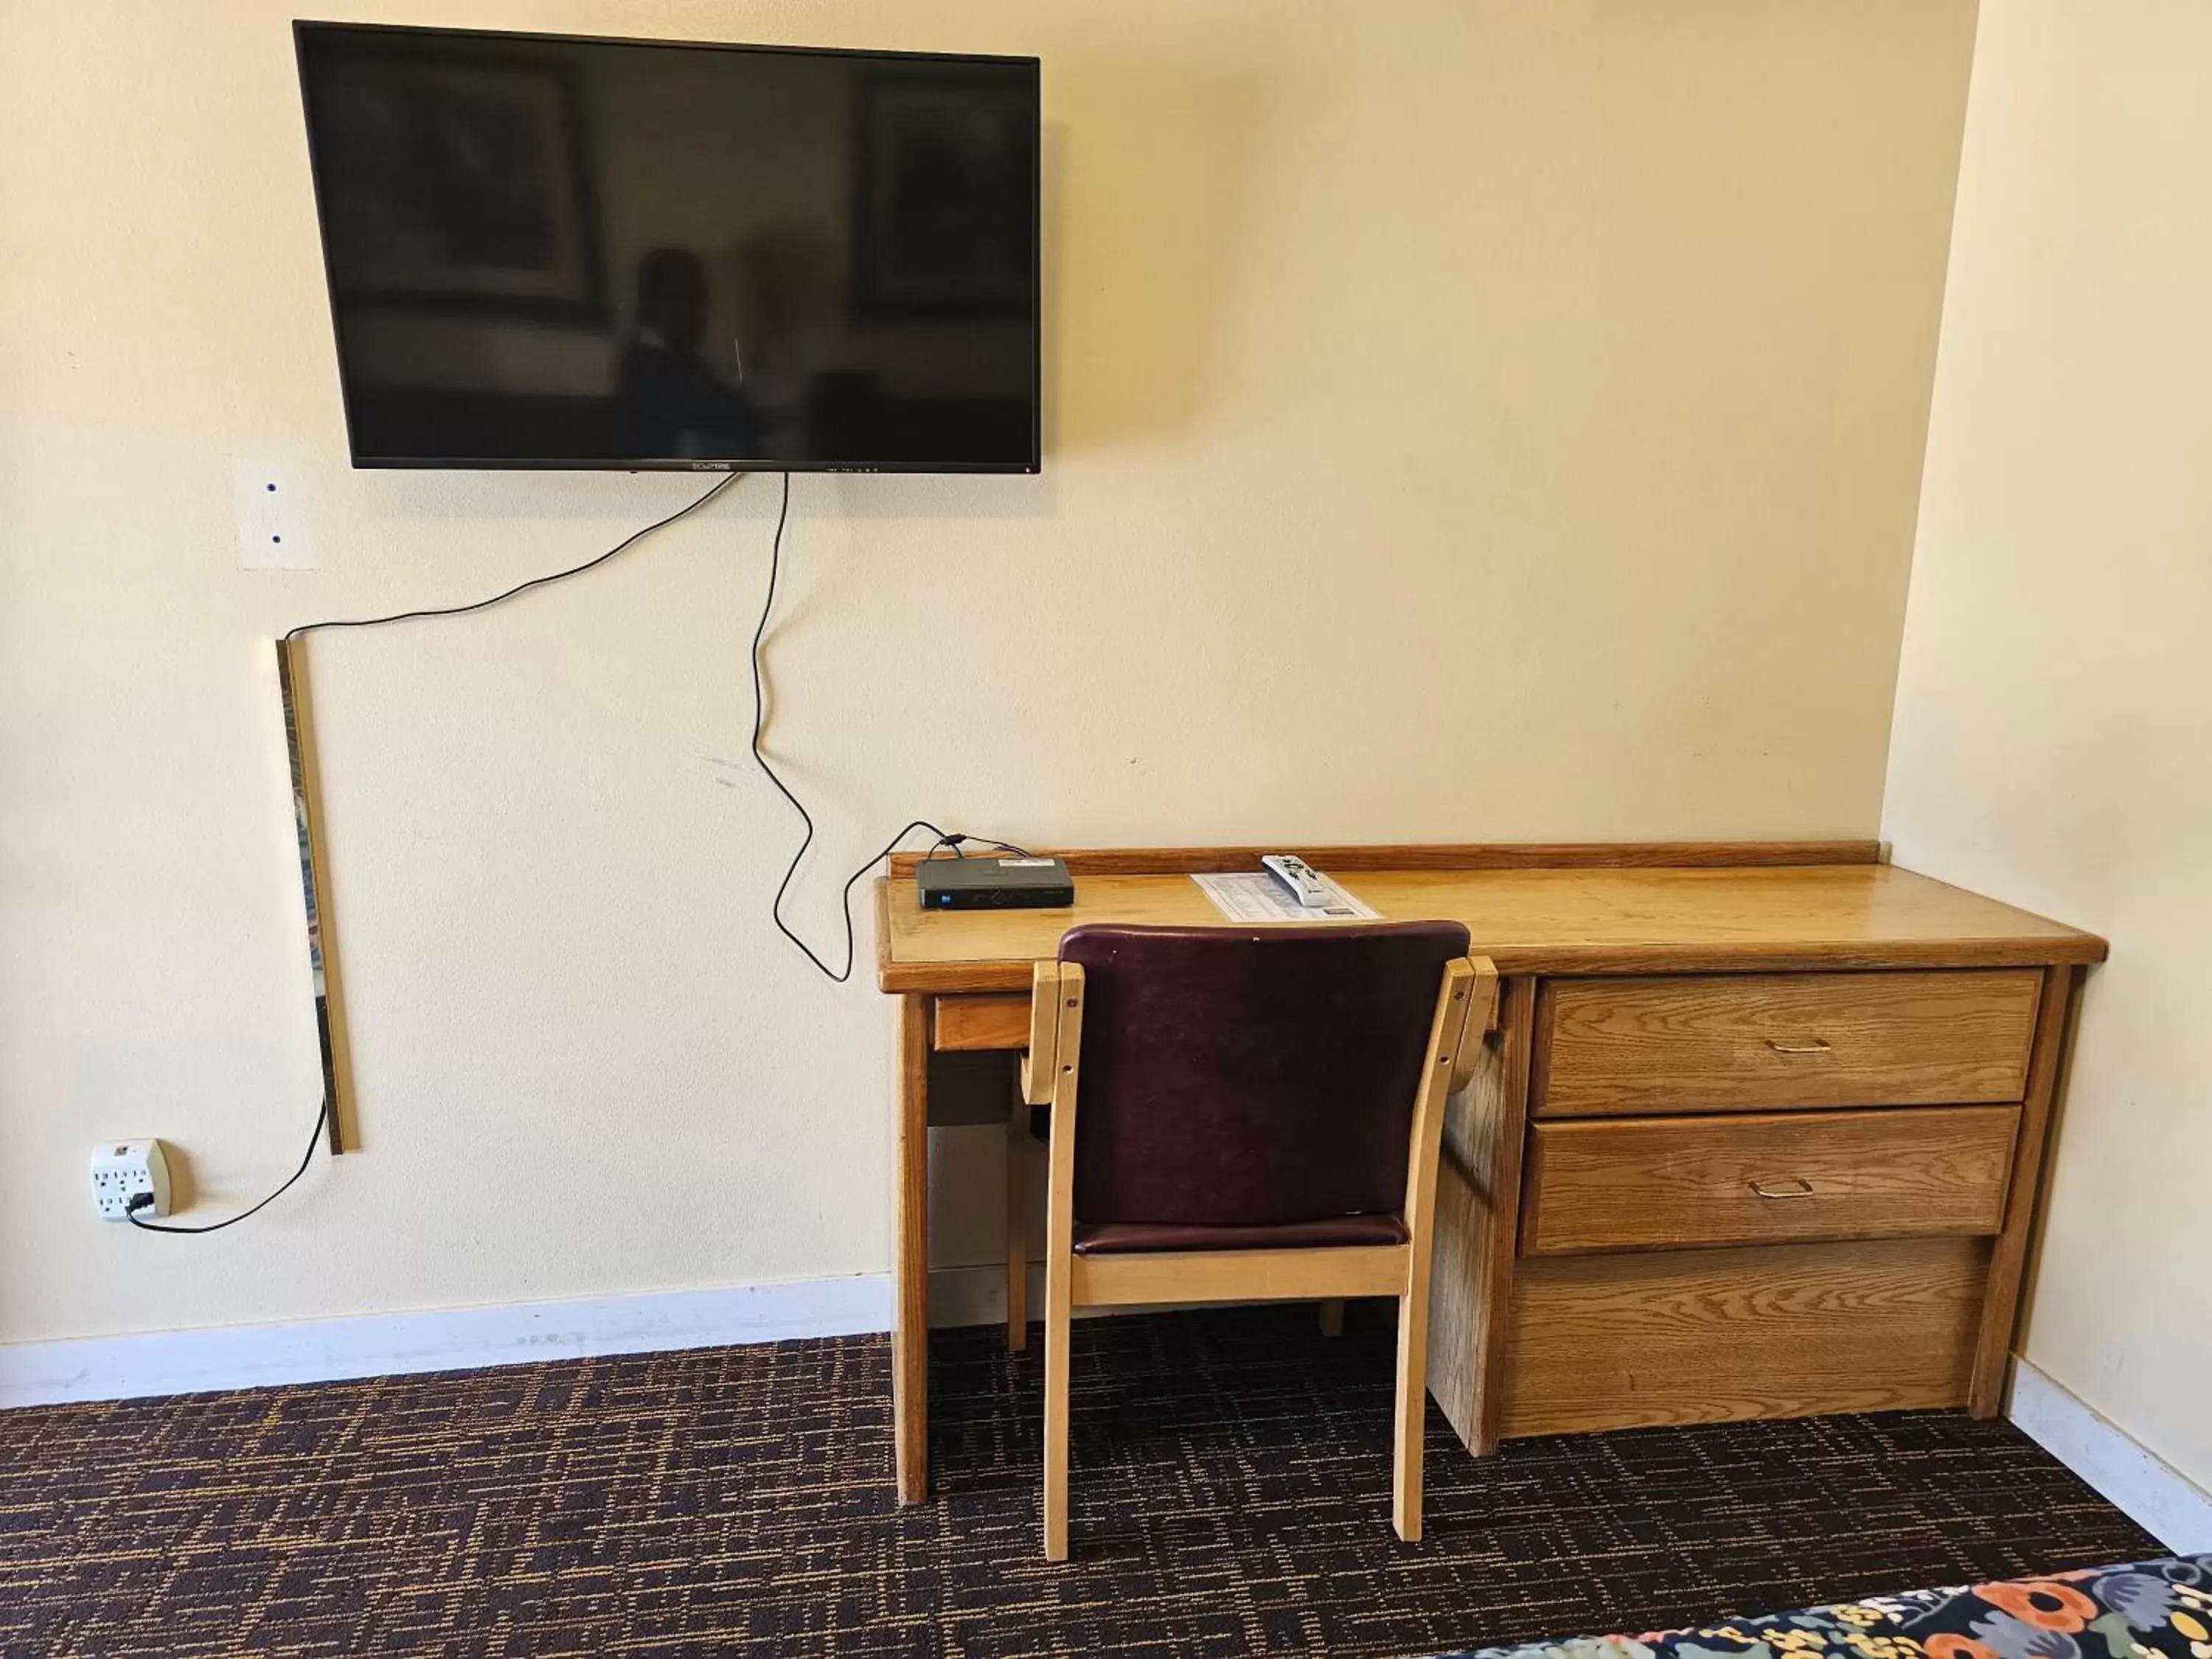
2148 1608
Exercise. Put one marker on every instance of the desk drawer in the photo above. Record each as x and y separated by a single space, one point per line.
971 1024
1653 1183
1726 1043
1705 1336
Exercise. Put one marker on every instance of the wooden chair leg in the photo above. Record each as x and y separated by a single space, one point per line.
1411 1415
1332 1316
1060 1261
1454 1018
1018 1245
1056 1324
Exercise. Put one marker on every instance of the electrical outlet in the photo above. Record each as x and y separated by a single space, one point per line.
269 506
121 1170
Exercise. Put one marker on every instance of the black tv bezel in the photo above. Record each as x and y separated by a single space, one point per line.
401 32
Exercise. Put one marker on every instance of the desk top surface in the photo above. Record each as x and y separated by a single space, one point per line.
1537 920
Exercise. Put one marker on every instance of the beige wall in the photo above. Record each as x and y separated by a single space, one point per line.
1489 421
2053 737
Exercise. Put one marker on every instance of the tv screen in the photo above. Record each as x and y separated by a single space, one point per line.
547 251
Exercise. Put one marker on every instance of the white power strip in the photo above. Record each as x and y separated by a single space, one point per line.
125 1169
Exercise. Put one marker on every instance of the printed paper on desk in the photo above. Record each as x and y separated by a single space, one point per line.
1255 896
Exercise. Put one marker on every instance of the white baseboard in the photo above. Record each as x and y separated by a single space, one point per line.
2152 1493
463 1339
443 1339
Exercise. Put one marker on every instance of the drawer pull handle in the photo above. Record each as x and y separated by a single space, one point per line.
1792 1187
1815 1046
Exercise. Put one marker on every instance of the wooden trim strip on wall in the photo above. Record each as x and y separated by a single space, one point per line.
339 1124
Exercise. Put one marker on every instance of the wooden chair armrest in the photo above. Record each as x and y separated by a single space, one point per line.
1481 1020
1040 1059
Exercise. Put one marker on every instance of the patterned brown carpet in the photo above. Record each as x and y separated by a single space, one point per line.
1231 1481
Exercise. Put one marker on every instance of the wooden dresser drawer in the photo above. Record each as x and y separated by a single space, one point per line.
1702 1336
1728 1043
1600 1184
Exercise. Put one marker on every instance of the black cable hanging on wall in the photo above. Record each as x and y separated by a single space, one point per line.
775 906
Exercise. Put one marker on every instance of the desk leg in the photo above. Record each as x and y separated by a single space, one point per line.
910 1335
2009 1255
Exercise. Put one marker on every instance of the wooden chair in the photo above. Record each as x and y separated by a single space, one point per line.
1261 1113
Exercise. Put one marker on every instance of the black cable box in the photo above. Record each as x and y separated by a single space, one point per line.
993 884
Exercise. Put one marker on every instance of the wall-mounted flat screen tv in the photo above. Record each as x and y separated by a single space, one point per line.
550 252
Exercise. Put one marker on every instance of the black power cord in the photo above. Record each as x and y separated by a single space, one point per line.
591 564
145 1200
836 977
956 842
322 1111
959 843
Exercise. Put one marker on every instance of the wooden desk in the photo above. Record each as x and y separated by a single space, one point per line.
1760 1132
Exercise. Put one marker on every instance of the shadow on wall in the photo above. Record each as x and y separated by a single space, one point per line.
1145 212
183 1190
1141 221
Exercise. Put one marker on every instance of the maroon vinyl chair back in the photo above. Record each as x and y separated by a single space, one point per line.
1250 1079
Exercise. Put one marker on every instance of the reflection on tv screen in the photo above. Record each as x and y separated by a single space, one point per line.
545 251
